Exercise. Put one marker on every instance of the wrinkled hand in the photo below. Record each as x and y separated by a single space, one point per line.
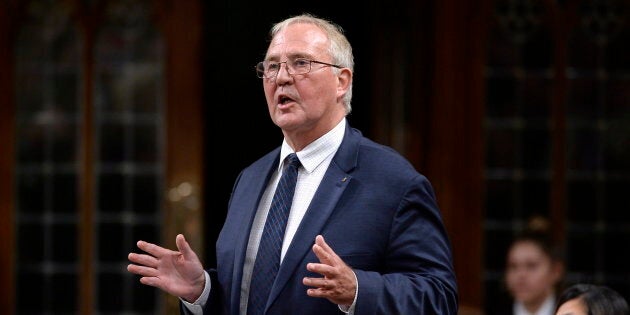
178 273
338 283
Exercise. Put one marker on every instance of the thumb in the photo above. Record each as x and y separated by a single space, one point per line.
183 247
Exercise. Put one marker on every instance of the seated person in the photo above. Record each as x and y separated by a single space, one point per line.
590 299
533 273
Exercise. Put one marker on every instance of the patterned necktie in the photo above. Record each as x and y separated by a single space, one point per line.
268 258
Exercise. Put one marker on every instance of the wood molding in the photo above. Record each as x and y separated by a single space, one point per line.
182 24
455 145
7 153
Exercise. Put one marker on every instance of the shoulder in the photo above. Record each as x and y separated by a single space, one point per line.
378 167
262 165
266 159
373 156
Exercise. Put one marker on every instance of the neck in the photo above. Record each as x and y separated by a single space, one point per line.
534 305
299 139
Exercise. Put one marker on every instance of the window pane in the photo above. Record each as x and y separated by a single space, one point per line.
47 94
61 301
529 95
129 117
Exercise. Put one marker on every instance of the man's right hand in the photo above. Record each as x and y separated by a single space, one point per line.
178 273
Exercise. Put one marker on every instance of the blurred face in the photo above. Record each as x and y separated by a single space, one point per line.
573 307
308 105
530 273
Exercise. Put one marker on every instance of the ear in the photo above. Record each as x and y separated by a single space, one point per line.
344 80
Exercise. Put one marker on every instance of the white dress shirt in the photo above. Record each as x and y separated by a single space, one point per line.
547 308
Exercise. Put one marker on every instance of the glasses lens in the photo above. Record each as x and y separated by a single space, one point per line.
300 66
260 70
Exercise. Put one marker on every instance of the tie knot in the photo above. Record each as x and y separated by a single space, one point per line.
292 160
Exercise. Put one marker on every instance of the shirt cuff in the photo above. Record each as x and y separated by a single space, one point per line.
349 309
196 308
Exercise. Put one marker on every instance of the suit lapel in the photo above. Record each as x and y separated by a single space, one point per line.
254 185
328 194
320 209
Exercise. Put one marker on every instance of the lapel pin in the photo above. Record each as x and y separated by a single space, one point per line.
344 179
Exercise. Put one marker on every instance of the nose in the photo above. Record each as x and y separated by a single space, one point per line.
283 76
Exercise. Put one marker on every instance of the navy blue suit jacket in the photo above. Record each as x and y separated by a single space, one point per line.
375 211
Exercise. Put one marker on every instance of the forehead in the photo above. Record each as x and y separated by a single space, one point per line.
573 307
301 39
526 249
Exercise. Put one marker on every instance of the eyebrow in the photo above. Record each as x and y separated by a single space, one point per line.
290 56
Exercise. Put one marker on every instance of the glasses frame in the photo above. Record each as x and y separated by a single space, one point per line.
260 72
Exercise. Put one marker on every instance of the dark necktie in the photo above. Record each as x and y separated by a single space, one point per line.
268 258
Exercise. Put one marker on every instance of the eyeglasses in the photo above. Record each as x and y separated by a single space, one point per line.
269 70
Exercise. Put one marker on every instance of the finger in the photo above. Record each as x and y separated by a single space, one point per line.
152 281
317 293
321 283
324 252
183 247
321 254
142 270
325 269
319 240
153 249
142 259
322 269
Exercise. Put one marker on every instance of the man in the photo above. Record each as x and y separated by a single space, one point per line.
364 234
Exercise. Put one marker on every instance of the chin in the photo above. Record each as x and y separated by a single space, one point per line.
287 120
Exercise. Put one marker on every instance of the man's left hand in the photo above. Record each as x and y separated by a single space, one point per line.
338 283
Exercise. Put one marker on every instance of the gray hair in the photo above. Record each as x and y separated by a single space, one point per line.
340 48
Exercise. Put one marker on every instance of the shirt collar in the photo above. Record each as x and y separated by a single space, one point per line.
317 151
548 307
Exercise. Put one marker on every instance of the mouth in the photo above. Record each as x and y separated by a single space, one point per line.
284 100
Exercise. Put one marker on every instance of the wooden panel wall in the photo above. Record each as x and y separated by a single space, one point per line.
437 119
455 146
6 161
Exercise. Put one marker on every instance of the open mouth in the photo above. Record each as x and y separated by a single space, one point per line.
284 99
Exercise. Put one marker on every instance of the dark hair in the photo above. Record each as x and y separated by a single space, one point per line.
599 299
538 232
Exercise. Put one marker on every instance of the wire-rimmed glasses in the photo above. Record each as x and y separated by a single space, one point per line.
269 69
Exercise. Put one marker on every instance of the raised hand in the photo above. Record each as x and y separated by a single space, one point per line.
179 273
338 283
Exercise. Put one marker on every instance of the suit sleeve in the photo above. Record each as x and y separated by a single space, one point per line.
419 276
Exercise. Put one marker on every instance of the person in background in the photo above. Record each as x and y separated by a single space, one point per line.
364 233
591 299
533 272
